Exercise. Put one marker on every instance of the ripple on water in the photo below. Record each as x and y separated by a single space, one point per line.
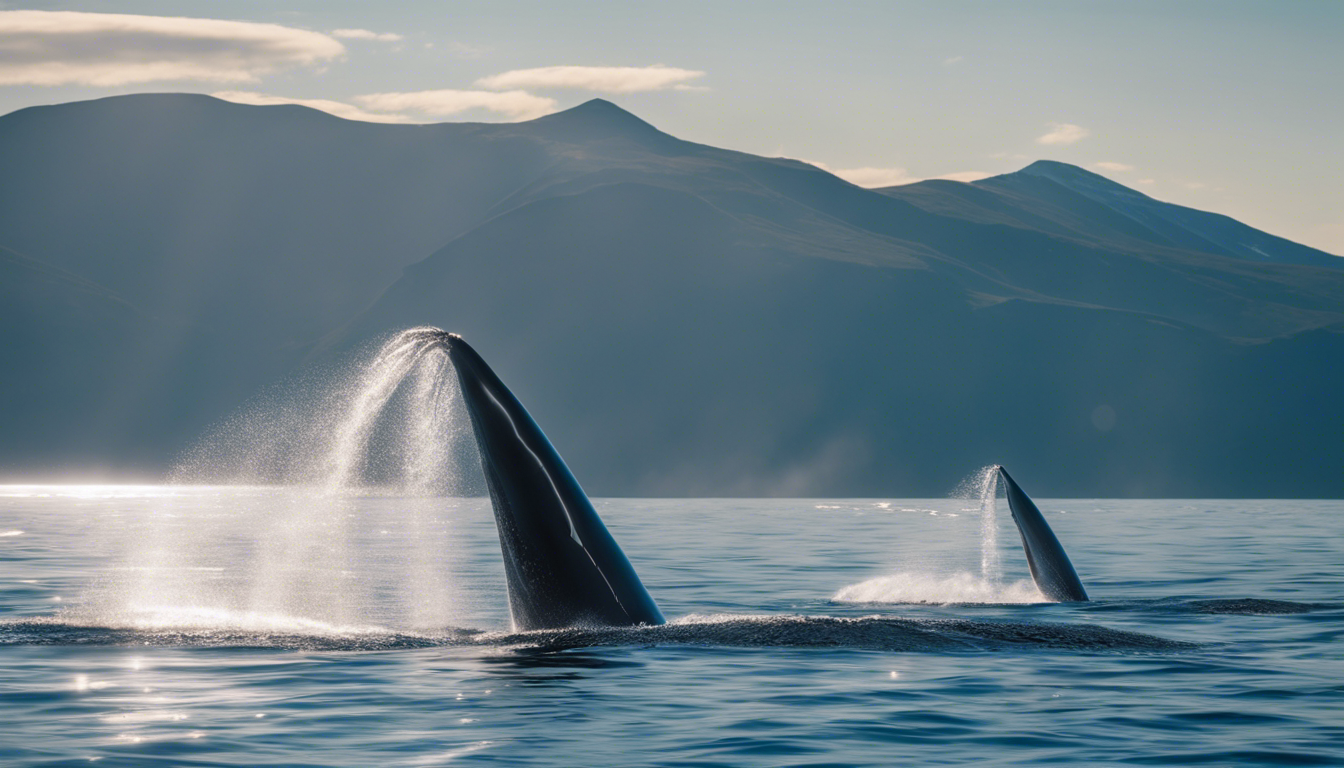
817 682
875 633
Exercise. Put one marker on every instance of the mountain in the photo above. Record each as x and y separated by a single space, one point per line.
683 319
1067 200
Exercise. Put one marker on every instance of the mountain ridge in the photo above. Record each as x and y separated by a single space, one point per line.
684 319
1168 224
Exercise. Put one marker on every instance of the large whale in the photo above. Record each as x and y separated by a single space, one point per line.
562 567
1050 567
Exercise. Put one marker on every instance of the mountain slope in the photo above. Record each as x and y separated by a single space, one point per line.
683 319
670 352
58 329
1066 200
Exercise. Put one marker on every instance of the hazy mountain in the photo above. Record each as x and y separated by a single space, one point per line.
681 319
1066 200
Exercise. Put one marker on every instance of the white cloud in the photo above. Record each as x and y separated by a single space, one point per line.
1195 185
602 79
873 178
1063 133
1146 182
966 176
364 34
108 49
1107 165
337 108
520 105
953 60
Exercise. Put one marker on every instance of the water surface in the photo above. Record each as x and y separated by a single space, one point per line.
166 625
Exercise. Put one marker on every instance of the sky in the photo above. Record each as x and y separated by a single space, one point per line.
1233 107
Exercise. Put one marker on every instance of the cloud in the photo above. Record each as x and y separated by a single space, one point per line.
601 79
953 60
109 49
1195 185
1146 182
1063 133
520 105
337 108
1107 165
873 178
364 34
392 107
966 176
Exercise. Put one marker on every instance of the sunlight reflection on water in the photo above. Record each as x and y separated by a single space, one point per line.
764 661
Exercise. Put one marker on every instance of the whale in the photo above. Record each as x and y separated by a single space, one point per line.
1050 566
561 565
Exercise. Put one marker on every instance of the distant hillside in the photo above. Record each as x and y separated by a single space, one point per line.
1066 200
681 319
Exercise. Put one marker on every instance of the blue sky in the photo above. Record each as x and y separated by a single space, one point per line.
1226 106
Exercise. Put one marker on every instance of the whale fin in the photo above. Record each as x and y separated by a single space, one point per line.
1050 566
562 567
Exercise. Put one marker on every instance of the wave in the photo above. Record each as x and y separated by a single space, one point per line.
965 588
1243 606
958 588
1253 606
195 618
874 633
292 634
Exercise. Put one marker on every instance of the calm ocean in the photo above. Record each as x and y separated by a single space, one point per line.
165 625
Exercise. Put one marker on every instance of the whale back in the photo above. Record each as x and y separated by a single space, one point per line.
562 566
1050 566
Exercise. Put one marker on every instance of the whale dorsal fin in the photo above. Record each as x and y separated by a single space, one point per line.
562 567
1050 566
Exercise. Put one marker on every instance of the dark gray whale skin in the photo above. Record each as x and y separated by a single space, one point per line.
562 567
1050 566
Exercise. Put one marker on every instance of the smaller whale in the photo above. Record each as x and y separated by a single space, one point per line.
1050 566
561 565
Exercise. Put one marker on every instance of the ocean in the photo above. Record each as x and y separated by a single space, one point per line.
252 626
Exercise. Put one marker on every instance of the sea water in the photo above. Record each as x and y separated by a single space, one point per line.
252 626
